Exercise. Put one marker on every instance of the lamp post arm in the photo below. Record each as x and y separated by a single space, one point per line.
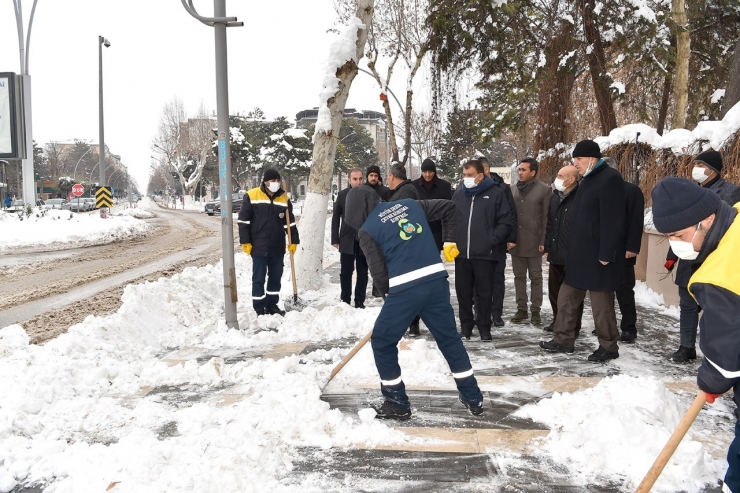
19 27
28 34
229 21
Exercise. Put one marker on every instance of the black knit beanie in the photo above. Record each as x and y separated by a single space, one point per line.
428 165
587 148
271 174
679 204
372 169
713 159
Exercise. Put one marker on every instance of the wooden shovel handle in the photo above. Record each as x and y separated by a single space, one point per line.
290 241
652 476
349 356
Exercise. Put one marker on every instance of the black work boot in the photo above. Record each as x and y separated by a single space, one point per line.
628 335
498 321
389 411
520 316
684 354
414 329
274 310
554 347
601 355
475 408
485 334
550 327
465 333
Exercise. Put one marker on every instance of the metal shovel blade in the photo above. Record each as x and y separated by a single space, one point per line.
295 304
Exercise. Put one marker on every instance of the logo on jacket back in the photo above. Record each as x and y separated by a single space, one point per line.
408 229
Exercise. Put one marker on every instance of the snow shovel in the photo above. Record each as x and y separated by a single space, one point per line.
293 304
652 476
346 359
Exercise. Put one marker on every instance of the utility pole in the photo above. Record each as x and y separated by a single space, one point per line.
29 185
219 23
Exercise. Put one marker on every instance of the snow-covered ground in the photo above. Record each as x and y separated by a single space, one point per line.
81 413
45 227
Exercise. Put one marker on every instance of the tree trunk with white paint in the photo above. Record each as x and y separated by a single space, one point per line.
334 95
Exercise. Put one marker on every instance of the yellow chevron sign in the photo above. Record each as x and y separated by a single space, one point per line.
103 198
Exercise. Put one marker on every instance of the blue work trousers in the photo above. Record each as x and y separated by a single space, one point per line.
272 268
431 301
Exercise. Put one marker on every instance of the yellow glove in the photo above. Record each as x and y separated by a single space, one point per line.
450 251
292 247
247 247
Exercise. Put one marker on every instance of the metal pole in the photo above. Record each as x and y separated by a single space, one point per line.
224 157
101 141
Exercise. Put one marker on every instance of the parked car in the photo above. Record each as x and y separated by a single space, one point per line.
57 204
81 204
214 207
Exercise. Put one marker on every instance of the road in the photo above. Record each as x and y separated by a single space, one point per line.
50 288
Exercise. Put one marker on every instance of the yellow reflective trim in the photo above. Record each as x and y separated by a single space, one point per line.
720 268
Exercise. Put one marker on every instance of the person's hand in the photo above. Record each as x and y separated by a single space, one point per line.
541 248
669 264
292 247
450 251
603 263
335 245
510 245
247 248
545 255
630 255
711 397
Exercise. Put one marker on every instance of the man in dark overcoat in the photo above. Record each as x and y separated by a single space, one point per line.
596 251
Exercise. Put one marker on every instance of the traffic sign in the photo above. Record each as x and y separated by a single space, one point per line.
103 198
78 190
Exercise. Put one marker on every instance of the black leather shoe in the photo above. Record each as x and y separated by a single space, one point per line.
554 347
414 329
360 305
485 335
476 409
465 334
628 336
274 310
684 354
390 411
550 327
602 354
498 321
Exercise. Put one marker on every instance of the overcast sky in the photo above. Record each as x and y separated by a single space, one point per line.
158 51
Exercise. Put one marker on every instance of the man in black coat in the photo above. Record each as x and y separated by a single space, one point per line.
344 238
499 277
559 217
596 251
373 181
483 225
634 221
399 185
430 186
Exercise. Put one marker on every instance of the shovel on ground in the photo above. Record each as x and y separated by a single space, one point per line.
346 359
294 304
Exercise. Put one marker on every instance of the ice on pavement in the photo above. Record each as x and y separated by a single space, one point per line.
74 414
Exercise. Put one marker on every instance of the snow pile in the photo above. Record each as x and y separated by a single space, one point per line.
135 213
57 226
617 429
715 132
341 51
646 297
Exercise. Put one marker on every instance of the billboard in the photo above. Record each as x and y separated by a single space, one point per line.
9 117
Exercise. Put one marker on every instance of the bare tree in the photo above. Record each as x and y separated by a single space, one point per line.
683 54
732 93
341 71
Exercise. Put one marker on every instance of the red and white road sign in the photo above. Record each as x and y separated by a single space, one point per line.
78 190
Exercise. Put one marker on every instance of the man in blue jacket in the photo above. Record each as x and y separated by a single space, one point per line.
483 223
404 262
702 227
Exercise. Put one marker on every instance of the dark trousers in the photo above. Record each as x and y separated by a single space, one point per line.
605 319
431 300
554 281
689 318
499 287
473 274
626 300
732 477
347 263
272 268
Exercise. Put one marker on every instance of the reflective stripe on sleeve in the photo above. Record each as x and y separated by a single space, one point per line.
725 373
463 374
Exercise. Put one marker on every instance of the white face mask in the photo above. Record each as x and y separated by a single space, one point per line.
698 174
590 169
469 182
559 185
273 186
685 249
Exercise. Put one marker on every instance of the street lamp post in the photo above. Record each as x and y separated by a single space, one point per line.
101 42
74 173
